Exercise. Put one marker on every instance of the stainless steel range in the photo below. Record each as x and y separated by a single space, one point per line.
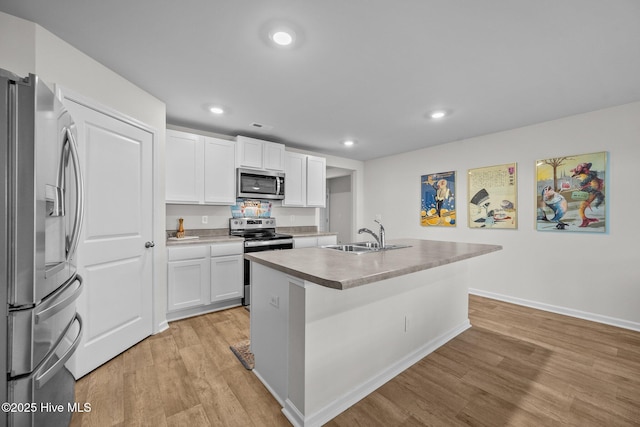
259 235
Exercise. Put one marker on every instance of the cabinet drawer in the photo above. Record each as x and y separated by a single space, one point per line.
191 252
221 249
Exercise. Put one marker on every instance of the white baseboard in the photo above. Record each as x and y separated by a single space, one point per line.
621 323
271 390
349 399
163 326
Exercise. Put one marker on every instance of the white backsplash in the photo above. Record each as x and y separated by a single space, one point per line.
218 216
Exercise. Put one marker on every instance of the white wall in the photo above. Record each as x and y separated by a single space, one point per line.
340 207
595 276
17 45
28 48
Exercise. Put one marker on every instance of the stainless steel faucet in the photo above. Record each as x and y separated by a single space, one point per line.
381 234
381 239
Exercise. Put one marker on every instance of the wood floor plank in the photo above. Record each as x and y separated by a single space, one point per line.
517 366
262 407
105 391
144 406
192 417
219 402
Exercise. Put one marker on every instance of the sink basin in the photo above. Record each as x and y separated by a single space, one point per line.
351 248
363 247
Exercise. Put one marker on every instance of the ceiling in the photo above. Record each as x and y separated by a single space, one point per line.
370 70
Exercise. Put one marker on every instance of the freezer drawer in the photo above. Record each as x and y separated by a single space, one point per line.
50 385
34 332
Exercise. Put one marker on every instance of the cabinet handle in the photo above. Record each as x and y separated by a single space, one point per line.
149 245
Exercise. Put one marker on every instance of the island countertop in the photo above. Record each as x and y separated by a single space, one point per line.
341 270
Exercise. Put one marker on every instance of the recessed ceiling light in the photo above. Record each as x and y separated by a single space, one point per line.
348 142
438 114
217 110
282 37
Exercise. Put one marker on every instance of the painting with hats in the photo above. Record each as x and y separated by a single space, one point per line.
571 193
492 200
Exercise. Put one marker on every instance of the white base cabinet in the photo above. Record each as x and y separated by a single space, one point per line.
308 242
227 277
203 278
188 277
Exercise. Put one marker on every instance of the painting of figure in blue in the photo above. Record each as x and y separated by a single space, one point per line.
438 207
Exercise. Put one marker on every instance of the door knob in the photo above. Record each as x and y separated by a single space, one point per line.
149 245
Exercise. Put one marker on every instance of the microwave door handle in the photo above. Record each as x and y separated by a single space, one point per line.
278 179
72 242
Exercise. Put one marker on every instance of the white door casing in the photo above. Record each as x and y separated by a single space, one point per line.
117 302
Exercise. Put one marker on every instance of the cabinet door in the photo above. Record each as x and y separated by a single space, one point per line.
188 283
273 156
327 240
184 175
295 179
305 242
227 277
219 171
316 181
250 152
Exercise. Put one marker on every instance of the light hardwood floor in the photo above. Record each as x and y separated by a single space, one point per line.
515 367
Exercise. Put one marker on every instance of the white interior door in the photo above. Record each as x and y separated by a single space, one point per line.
116 304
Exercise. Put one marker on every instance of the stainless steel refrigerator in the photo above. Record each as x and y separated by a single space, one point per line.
41 211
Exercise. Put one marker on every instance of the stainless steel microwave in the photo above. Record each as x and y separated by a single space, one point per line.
260 184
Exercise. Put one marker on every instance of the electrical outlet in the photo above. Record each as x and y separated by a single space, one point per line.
275 301
205 219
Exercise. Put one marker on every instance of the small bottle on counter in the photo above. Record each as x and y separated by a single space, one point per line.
180 232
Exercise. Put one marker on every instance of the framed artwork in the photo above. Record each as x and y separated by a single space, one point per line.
438 192
493 193
570 193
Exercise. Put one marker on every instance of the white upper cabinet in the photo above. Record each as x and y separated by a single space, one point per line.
219 171
295 179
199 169
316 181
184 171
258 154
304 180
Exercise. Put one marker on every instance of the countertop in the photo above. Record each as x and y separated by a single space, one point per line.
203 240
342 270
221 235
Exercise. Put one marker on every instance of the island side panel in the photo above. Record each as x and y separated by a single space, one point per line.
357 339
270 328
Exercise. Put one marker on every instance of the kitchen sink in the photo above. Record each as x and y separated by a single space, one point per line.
351 248
363 247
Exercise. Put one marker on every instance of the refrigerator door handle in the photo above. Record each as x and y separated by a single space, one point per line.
40 377
72 242
55 304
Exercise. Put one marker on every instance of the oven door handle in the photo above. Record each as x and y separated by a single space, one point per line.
40 377
259 243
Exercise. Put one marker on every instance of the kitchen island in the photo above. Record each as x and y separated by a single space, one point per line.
329 327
